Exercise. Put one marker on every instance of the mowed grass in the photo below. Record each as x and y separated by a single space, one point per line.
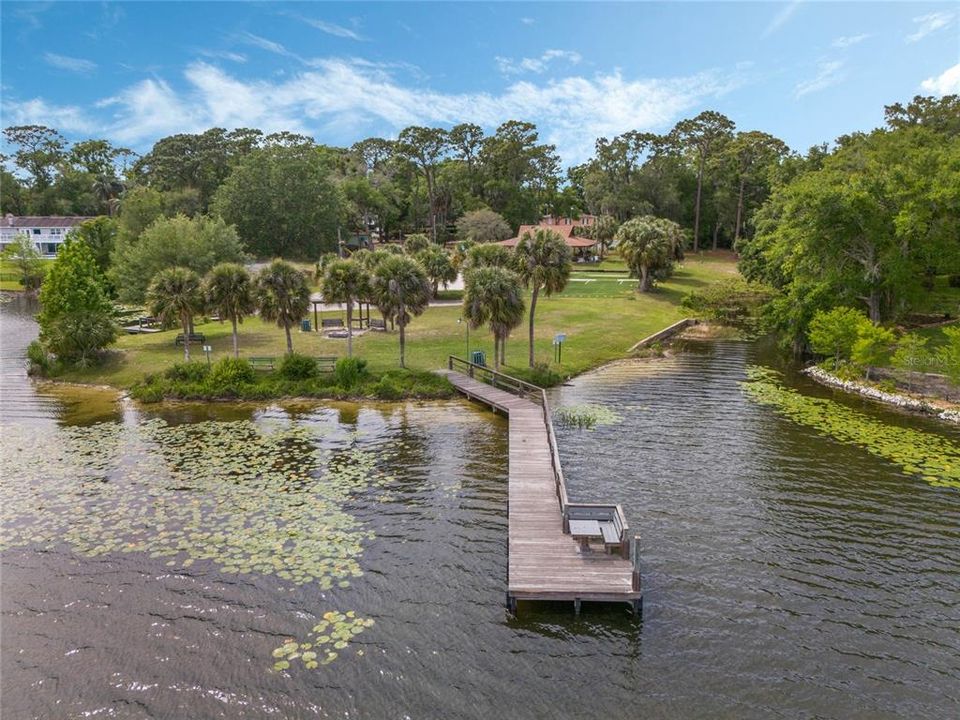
598 329
10 274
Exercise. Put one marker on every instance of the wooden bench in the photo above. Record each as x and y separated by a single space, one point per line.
378 324
589 521
262 363
194 338
331 323
326 363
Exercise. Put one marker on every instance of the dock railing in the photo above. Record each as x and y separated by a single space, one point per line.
629 547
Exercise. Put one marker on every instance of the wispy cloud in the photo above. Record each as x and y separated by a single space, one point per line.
224 55
845 41
339 100
781 18
527 20
331 28
265 44
946 83
929 24
71 64
509 66
829 72
68 118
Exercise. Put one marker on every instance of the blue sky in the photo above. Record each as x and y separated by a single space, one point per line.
136 71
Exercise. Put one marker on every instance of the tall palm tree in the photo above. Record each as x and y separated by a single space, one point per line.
175 294
543 262
229 292
401 290
345 281
438 267
106 188
648 245
493 295
283 296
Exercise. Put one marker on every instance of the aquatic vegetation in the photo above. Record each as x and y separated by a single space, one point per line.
930 456
248 497
585 416
327 640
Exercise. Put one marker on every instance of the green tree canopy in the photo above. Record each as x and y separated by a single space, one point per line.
648 244
436 263
76 316
100 235
196 243
282 201
834 332
483 226
348 282
415 242
22 253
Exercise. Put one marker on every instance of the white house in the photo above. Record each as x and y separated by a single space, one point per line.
48 232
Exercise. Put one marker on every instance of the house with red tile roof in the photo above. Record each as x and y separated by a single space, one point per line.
570 229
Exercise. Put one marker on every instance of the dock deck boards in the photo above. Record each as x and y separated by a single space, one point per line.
544 563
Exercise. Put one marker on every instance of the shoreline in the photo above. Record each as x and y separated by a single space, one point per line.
949 414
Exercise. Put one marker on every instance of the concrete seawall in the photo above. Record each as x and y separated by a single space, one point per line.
665 334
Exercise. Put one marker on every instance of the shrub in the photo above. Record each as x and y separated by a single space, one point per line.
189 372
834 332
297 367
349 372
231 373
733 302
39 358
954 281
541 374
387 388
949 355
873 346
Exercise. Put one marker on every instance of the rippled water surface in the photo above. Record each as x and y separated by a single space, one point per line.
785 574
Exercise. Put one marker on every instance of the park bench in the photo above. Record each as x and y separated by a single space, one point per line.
194 338
326 363
378 324
262 363
331 323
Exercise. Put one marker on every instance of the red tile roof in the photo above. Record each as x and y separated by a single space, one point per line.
563 229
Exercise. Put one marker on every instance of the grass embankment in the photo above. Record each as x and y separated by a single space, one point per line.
600 326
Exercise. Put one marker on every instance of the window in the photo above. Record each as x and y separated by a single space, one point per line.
36 231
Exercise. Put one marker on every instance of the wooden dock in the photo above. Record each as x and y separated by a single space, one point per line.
545 561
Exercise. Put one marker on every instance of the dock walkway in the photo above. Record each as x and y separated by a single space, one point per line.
545 562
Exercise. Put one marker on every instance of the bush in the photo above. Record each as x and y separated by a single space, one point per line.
39 358
542 375
349 372
190 372
954 281
733 302
297 367
949 355
912 354
873 346
833 333
230 374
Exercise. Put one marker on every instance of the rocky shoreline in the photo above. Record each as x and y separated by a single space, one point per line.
902 401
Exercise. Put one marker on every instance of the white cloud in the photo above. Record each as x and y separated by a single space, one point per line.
265 44
929 24
946 83
509 66
339 100
67 118
846 41
332 28
224 55
781 18
829 72
71 64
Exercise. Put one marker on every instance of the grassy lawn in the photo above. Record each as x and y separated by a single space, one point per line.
10 275
598 328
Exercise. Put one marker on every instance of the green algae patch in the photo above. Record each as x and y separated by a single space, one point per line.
585 417
934 458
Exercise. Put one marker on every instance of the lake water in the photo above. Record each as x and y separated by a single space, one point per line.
155 560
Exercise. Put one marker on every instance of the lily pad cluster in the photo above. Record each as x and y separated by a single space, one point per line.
585 416
249 497
329 638
933 457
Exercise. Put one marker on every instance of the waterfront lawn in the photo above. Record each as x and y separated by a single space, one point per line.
598 329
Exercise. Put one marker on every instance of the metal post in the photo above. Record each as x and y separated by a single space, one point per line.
316 323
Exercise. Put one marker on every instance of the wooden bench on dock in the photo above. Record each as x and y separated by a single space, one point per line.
194 338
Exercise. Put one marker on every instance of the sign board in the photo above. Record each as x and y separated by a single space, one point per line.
208 348
559 338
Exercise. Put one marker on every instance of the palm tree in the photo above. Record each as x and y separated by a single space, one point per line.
345 281
493 295
106 188
543 261
438 267
648 244
401 290
175 294
282 296
228 289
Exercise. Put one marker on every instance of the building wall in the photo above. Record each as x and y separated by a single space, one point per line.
46 239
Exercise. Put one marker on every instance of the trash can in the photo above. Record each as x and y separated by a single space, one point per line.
305 325
478 357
